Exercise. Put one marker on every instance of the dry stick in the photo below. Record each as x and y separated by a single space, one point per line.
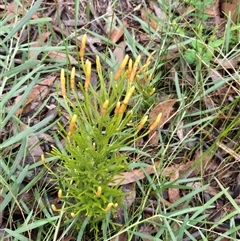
229 151
224 147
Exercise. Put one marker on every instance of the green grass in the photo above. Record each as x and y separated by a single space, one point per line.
207 114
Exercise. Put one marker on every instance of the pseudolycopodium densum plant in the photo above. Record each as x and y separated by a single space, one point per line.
104 121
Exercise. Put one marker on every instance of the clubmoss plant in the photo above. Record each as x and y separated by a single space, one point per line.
101 123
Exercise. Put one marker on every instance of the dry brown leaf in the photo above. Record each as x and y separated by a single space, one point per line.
119 52
147 229
11 8
69 238
174 171
213 10
130 190
225 239
228 8
180 132
132 176
187 169
207 161
33 146
145 17
38 93
138 174
4 235
62 56
120 237
8 149
166 108
38 43
110 16
91 41
118 33
158 11
228 63
174 193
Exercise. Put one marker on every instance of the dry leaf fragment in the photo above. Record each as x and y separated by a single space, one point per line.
91 41
119 52
38 43
130 190
111 18
38 93
188 169
62 57
120 237
228 150
145 16
180 132
174 193
132 176
158 11
118 33
228 8
227 63
214 11
34 148
166 108
12 8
